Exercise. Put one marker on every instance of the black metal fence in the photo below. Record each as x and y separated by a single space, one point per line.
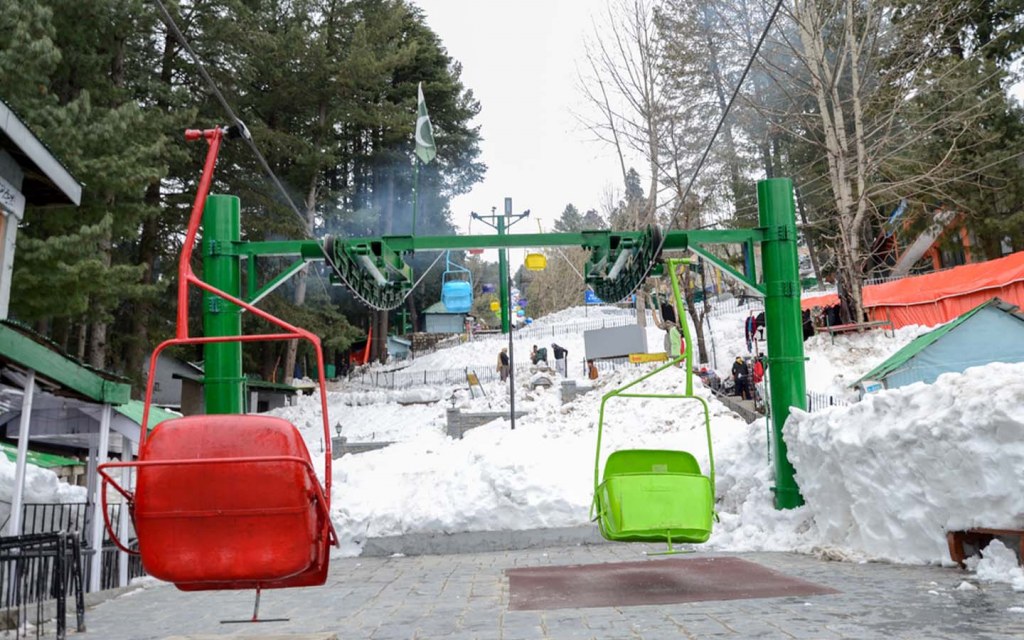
39 518
821 401
401 379
37 573
437 377
50 517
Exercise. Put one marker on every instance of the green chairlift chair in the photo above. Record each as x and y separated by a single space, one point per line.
655 495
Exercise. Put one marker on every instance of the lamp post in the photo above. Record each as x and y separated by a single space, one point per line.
501 223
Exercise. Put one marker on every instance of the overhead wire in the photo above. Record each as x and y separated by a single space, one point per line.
246 135
714 135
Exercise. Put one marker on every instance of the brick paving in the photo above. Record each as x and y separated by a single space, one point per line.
467 596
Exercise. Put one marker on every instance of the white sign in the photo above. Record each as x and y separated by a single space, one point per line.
11 200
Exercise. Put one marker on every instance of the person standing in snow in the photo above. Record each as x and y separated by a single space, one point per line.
740 375
503 364
591 370
561 355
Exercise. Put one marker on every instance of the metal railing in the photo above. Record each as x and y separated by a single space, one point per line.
457 376
48 518
578 326
35 570
732 305
821 401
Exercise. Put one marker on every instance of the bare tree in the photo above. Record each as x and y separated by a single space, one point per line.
626 86
867 73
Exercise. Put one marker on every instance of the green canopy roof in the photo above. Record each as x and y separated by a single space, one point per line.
923 341
44 460
133 411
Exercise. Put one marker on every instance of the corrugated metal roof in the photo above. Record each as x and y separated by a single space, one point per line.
44 460
133 411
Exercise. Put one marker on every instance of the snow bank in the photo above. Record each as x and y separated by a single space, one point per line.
888 476
41 485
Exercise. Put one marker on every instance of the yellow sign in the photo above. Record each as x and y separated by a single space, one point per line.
495 305
636 358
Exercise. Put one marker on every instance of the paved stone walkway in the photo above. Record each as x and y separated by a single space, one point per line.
466 596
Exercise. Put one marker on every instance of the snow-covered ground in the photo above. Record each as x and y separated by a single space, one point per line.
883 478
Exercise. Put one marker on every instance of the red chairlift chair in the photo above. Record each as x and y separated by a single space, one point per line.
227 501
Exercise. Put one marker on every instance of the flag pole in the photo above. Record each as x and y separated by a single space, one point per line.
415 191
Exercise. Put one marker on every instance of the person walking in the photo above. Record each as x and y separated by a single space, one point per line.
503 364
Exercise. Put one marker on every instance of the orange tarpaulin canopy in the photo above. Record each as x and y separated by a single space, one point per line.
934 298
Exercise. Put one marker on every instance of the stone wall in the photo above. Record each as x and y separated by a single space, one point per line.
459 422
341 446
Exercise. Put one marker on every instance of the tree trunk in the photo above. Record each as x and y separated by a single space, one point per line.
300 280
846 175
735 174
292 349
83 331
414 318
378 348
809 236
149 238
98 338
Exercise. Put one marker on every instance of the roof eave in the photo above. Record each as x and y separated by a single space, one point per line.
39 155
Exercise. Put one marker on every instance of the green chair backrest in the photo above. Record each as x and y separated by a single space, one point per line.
650 461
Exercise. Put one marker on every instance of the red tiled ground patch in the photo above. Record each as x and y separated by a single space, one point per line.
660 581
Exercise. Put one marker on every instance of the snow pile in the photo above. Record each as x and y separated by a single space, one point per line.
41 485
998 564
888 476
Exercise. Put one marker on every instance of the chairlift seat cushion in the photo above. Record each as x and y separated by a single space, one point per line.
228 524
652 495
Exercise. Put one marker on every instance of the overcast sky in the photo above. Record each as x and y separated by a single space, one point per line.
520 58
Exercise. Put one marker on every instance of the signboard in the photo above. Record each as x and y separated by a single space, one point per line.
637 358
614 342
872 386
589 297
11 200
